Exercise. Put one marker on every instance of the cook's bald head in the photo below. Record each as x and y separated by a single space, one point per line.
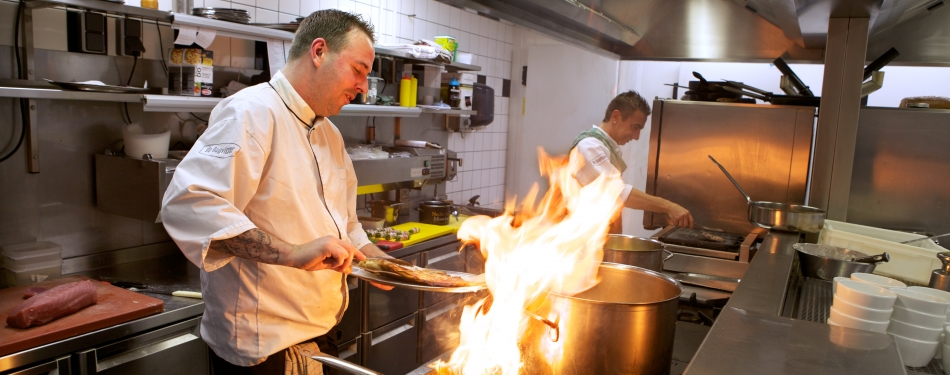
333 26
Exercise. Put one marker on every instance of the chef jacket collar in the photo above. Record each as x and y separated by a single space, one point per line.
293 99
614 143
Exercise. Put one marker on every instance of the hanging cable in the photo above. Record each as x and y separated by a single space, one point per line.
161 52
23 102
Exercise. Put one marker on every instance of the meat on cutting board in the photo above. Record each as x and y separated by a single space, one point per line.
30 292
53 304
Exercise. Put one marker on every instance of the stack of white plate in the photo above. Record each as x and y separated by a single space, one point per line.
918 320
861 306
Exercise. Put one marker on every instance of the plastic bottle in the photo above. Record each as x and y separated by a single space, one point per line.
414 94
455 94
405 90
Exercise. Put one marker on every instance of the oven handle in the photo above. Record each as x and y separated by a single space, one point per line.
90 356
342 365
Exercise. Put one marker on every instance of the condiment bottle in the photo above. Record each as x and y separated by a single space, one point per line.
940 278
414 94
455 94
405 91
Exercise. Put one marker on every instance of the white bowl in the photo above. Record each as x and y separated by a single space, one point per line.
881 281
864 295
918 301
915 332
915 353
859 312
945 356
845 320
834 283
918 318
934 292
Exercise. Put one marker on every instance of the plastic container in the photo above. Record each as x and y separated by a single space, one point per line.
414 91
404 91
137 143
913 262
455 94
31 262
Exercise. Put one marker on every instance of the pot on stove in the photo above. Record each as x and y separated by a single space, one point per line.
635 251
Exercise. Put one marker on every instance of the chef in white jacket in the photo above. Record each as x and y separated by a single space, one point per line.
600 145
264 203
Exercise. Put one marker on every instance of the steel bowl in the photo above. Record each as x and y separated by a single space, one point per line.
827 262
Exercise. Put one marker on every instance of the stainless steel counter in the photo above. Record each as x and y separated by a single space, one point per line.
751 336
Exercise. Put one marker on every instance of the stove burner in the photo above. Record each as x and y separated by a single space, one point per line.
703 239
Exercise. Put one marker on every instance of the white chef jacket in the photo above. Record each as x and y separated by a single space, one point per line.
598 161
254 168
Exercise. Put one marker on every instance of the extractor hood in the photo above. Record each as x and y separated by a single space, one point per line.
729 30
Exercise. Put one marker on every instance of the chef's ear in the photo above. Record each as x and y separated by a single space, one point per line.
616 116
318 51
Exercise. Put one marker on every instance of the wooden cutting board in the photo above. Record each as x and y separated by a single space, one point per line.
115 305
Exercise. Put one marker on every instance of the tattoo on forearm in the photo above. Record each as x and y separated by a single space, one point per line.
254 244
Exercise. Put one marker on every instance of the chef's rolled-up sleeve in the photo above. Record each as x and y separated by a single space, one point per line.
211 187
597 157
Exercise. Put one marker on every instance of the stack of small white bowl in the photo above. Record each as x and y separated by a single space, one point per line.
861 305
944 353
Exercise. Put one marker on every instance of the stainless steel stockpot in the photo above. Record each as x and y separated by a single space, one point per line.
636 251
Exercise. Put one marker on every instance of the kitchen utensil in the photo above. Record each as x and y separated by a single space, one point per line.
779 216
881 281
915 353
436 212
793 78
861 312
635 251
386 209
940 278
345 366
381 277
827 262
388 245
728 284
857 323
918 318
115 306
883 257
917 301
865 295
594 317
753 92
924 238
879 62
915 332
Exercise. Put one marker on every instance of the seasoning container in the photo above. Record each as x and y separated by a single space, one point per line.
414 91
940 278
404 91
455 94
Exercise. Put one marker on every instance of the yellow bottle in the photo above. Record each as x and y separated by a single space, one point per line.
414 94
404 90
150 4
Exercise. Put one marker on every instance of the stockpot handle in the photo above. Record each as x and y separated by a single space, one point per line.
342 365
669 254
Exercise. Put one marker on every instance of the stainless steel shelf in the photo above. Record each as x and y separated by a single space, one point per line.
453 67
172 103
449 111
231 29
379 111
103 6
50 93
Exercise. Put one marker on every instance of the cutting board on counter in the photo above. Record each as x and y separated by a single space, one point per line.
115 306
426 231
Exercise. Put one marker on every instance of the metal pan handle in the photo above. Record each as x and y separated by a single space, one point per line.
669 254
747 197
342 365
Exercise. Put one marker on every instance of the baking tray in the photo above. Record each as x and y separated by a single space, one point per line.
97 88
400 283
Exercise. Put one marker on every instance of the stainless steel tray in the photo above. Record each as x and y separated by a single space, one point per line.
381 278
97 88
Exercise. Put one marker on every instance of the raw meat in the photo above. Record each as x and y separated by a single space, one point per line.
32 291
53 304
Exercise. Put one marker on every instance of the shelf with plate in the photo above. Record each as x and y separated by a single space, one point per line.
448 111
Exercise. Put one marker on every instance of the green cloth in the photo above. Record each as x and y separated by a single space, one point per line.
598 134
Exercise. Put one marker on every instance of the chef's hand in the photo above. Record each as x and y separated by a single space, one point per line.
325 253
374 252
679 216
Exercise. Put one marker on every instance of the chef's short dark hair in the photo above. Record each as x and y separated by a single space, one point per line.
627 103
333 25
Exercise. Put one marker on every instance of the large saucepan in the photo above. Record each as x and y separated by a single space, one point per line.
635 251
780 216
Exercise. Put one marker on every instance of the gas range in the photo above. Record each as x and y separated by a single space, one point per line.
706 243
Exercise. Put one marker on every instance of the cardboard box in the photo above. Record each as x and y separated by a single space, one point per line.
190 72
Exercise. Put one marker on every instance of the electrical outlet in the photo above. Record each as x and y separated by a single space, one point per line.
128 37
86 32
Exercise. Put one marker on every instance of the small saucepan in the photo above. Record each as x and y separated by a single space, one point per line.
780 216
436 212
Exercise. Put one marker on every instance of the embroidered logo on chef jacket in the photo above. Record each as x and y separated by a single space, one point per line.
221 150
600 159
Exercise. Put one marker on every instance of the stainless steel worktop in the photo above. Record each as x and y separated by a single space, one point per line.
751 336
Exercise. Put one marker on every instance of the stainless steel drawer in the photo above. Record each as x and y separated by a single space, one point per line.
438 328
350 325
59 366
383 307
350 351
447 258
393 348
175 349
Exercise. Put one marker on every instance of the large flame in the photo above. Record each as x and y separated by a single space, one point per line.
556 246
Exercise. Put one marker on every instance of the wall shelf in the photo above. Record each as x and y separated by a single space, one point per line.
453 67
231 29
103 6
449 111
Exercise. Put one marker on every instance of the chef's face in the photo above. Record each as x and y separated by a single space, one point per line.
629 128
341 73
